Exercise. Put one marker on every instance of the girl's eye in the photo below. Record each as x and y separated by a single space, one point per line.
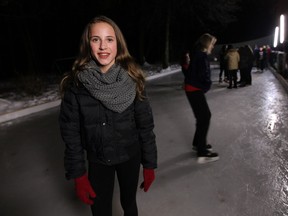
110 39
94 40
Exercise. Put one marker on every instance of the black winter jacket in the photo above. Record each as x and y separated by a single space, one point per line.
199 74
246 57
108 137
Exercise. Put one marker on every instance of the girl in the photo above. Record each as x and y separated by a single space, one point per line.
197 83
105 113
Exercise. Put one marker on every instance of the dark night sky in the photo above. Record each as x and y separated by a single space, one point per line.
56 33
254 21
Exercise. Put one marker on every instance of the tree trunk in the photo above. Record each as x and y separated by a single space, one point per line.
166 54
141 54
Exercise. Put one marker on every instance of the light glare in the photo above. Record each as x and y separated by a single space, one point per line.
276 36
282 28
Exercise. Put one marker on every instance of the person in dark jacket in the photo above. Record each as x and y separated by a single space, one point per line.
185 61
105 114
245 65
197 83
223 64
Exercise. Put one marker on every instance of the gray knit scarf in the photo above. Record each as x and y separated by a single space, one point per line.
115 88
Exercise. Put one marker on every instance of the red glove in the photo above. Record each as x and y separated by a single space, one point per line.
149 177
84 190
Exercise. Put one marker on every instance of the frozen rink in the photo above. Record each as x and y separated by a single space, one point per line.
248 129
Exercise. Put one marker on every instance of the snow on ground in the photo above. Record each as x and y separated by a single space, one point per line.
12 101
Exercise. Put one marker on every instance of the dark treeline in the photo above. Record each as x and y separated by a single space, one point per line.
43 36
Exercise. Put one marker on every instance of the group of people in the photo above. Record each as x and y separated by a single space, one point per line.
233 60
106 120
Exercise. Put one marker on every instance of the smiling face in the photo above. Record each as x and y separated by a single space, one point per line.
103 44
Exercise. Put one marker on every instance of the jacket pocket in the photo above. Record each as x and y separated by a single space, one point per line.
93 138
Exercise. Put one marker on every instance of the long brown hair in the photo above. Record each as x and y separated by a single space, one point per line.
123 58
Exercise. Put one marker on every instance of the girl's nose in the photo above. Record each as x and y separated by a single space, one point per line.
103 45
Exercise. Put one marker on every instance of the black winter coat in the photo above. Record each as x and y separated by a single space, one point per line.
246 58
108 137
199 74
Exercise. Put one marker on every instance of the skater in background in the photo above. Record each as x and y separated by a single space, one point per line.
245 65
197 83
185 61
262 58
223 64
232 57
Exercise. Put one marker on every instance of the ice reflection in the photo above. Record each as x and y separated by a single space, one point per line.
272 122
282 182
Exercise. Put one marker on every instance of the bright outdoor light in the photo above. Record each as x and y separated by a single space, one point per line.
276 36
282 30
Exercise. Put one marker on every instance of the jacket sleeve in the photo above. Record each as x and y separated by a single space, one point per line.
145 125
203 71
69 122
